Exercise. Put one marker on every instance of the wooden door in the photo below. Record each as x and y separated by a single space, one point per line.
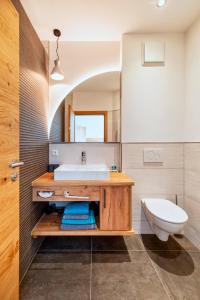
115 208
9 150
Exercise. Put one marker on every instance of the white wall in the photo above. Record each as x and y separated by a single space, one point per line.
153 96
192 71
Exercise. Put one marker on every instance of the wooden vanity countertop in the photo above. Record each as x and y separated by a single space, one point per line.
116 179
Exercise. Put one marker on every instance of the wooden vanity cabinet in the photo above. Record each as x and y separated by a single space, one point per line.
113 196
115 208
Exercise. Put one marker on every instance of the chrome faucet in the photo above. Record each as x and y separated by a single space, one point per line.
83 158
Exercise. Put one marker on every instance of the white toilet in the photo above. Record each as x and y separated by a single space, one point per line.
164 217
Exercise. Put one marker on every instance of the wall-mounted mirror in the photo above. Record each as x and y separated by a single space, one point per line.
90 113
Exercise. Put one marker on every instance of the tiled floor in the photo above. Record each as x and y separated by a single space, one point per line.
113 268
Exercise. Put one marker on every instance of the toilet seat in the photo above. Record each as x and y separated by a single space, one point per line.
165 210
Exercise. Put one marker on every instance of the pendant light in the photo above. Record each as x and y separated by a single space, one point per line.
57 73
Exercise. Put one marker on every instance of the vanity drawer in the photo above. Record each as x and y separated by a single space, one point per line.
76 193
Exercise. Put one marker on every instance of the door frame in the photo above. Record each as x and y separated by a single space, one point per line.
99 113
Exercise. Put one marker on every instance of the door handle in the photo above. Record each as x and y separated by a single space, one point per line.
16 163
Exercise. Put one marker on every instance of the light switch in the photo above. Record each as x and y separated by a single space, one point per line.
153 155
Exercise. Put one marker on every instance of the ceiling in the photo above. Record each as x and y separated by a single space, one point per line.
107 20
107 82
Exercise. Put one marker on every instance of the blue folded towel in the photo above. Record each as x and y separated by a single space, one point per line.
77 208
75 217
77 227
90 220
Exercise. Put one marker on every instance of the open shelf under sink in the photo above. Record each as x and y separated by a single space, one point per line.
49 225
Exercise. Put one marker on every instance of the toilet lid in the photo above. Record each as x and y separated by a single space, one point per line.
166 210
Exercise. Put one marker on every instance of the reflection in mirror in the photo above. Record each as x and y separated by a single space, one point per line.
90 113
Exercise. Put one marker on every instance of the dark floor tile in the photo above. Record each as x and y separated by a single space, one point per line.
114 290
180 272
68 290
33 291
116 243
125 275
76 290
63 258
66 243
60 267
55 276
101 258
178 243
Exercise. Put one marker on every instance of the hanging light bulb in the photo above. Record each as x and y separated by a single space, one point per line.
57 73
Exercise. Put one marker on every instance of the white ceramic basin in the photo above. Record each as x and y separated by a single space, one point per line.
81 172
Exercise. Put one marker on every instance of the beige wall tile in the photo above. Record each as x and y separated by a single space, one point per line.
142 227
192 184
192 156
192 190
133 156
193 210
162 181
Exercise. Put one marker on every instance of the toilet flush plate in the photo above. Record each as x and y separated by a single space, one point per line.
153 155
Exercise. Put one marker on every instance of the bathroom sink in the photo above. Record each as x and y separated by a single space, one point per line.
81 172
